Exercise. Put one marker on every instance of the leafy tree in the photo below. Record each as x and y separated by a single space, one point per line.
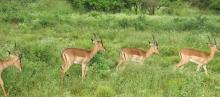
215 5
99 5
145 5
202 4
140 5
150 5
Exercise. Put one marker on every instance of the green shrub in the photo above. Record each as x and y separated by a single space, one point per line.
98 5
45 21
215 5
197 22
104 91
124 23
94 14
140 23
100 65
44 53
166 10
16 18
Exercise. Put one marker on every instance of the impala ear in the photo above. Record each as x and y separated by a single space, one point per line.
100 39
215 41
95 36
93 41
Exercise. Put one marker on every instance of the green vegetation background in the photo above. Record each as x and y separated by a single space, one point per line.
42 28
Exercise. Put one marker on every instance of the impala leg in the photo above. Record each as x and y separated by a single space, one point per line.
120 62
62 72
83 71
206 71
198 67
63 66
3 88
180 64
64 69
182 67
142 62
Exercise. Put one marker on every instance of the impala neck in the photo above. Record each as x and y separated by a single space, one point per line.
94 50
148 53
212 53
7 63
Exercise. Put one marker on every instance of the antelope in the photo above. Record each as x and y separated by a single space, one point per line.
12 60
198 57
137 55
80 56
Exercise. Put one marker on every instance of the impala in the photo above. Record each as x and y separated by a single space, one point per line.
80 56
137 55
12 60
198 57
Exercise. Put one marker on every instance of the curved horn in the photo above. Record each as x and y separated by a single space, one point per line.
209 39
154 39
215 41
15 46
94 35
100 38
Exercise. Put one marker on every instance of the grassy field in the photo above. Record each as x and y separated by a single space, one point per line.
41 36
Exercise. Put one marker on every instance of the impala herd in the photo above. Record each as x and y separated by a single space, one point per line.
82 56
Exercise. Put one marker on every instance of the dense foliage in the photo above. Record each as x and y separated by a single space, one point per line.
150 5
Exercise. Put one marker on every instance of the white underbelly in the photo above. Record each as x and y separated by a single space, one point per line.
196 60
192 60
78 60
136 58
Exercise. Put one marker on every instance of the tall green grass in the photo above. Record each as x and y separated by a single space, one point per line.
41 35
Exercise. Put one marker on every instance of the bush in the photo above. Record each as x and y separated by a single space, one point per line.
104 91
124 23
17 18
45 21
98 5
202 4
166 10
44 53
215 5
94 14
198 22
150 5
100 65
140 23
